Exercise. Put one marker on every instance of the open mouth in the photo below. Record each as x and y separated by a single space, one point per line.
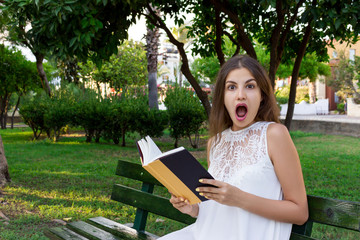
241 111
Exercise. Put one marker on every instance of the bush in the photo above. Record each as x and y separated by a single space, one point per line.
120 120
341 108
186 114
32 110
60 112
150 122
90 113
282 95
125 114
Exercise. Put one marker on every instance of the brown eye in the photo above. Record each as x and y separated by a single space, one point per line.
231 87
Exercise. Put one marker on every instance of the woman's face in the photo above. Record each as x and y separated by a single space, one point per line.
242 98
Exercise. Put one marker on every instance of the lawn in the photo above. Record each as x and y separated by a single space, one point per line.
72 180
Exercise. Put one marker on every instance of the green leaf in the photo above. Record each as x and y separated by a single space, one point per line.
70 1
338 22
87 39
72 41
57 10
68 8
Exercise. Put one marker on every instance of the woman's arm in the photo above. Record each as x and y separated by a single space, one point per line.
182 204
287 166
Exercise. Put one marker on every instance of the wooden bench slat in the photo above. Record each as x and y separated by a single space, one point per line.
152 203
90 231
59 233
118 229
135 171
295 236
340 213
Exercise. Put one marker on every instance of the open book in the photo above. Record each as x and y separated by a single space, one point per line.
176 169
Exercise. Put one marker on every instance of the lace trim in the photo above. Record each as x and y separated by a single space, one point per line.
238 150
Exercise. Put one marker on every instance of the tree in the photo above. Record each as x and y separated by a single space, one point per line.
205 69
174 8
284 28
181 34
17 75
68 70
311 68
20 16
123 70
346 77
4 171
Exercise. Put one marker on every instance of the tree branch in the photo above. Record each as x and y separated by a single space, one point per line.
236 43
244 40
219 32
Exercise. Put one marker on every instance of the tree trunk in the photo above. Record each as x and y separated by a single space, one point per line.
123 132
295 74
153 96
4 103
312 92
4 171
13 114
152 44
42 74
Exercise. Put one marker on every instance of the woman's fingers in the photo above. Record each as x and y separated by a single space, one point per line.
178 201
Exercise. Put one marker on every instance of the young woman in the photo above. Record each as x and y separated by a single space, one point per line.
259 189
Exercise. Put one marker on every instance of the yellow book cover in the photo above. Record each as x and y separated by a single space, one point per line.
176 169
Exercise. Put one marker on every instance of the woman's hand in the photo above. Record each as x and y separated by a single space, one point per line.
223 193
184 206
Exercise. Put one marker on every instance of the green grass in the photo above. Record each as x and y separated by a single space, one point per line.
72 180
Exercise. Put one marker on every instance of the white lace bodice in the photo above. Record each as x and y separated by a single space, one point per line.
239 150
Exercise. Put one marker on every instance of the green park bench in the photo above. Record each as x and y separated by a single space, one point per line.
333 212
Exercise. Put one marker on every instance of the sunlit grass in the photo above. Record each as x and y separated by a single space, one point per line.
72 180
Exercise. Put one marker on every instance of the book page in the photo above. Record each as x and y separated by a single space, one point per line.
152 150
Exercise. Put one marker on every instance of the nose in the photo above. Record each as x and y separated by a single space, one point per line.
241 93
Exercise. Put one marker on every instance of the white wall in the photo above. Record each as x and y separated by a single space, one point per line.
353 110
321 107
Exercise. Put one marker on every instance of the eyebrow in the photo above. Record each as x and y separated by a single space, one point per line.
247 81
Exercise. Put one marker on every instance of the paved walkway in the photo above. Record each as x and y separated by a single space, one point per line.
326 118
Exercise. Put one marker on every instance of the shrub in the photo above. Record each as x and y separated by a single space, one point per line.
123 115
90 113
186 114
282 95
341 108
60 112
150 122
32 110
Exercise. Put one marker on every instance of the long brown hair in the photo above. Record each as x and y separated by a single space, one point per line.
268 111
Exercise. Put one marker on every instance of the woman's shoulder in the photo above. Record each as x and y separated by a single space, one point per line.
276 131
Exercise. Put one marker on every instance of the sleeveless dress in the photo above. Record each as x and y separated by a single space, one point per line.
241 159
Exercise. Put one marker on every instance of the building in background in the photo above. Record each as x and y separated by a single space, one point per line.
350 50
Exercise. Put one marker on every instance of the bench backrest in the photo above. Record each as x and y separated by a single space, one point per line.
144 200
333 212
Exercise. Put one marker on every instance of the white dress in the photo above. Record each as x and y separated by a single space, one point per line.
241 159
